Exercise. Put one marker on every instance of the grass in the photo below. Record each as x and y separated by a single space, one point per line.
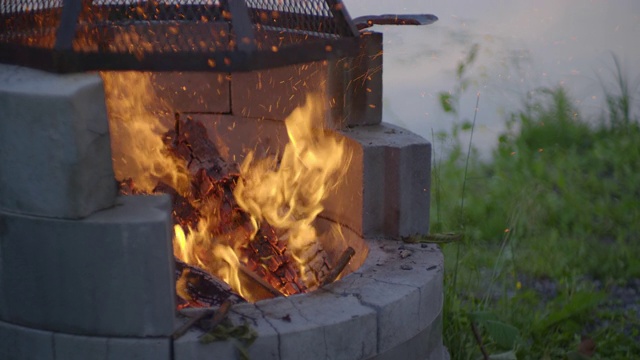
557 204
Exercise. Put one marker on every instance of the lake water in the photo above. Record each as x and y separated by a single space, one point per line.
523 45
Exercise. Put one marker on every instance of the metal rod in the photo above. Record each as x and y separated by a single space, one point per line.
68 23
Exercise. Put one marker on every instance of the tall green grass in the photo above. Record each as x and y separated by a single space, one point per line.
559 200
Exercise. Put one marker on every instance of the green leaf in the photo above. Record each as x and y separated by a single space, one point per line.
503 334
446 103
481 317
460 70
471 56
579 303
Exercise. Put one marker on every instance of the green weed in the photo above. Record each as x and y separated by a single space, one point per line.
557 202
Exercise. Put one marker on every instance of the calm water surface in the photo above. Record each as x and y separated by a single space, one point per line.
524 45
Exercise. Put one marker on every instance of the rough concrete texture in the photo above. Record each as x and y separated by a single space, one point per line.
234 136
193 92
22 343
351 88
386 192
109 274
377 312
404 286
55 155
363 94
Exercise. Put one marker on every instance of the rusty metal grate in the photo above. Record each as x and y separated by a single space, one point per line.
173 35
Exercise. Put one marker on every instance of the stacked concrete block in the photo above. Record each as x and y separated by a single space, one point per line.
390 308
351 88
386 191
110 274
22 343
55 155
193 92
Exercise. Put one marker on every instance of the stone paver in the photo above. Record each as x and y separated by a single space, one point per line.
109 274
55 154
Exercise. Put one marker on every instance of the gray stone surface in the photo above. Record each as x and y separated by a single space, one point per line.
423 346
193 92
20 343
23 343
138 349
387 191
404 284
351 88
55 155
363 92
109 274
378 312
331 326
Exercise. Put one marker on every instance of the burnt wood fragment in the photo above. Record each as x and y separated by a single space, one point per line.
199 289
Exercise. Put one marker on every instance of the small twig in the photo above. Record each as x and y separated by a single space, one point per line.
259 281
441 238
342 262
190 323
220 315
476 334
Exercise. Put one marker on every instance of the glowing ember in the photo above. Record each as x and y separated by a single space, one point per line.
252 227
289 195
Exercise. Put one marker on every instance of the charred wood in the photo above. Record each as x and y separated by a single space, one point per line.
197 288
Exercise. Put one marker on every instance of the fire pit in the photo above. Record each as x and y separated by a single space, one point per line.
96 270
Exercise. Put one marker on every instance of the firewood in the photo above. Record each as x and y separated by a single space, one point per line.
202 289
218 317
340 265
259 281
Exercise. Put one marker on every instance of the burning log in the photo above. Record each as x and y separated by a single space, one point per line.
212 187
197 288
214 232
218 317
340 265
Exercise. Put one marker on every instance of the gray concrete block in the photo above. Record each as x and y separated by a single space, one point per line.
188 347
265 347
235 135
313 326
362 102
405 292
109 274
330 326
423 345
387 187
74 347
275 93
139 349
379 310
193 92
350 87
21 343
55 154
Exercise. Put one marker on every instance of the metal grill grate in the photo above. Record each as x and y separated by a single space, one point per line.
173 35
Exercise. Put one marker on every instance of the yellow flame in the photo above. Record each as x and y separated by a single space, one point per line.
136 133
289 195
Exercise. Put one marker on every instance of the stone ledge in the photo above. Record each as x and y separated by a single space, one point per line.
55 154
358 317
389 190
121 285
23 343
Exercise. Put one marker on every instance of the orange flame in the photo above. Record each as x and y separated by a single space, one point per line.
286 194
289 196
